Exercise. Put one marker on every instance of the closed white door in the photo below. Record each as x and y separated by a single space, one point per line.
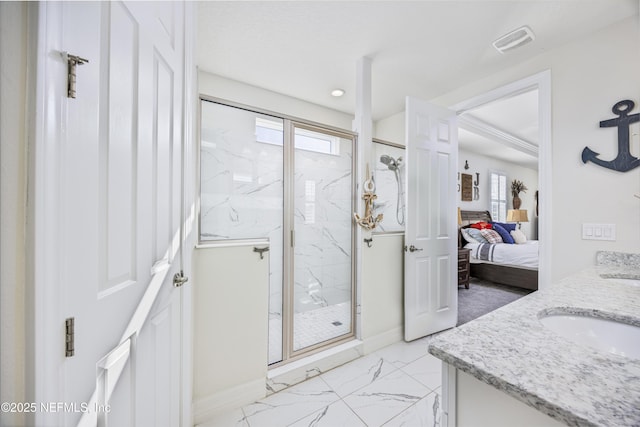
430 291
115 170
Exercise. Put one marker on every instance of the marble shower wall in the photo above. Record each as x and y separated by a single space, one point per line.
323 222
241 179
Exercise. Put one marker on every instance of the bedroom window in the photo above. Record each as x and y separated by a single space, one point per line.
498 196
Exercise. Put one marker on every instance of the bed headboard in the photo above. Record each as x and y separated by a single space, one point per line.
469 217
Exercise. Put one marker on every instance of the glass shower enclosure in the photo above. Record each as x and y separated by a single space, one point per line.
268 177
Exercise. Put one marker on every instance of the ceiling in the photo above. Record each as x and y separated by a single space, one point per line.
304 49
505 129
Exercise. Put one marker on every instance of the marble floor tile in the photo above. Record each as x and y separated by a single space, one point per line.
403 353
425 413
338 414
291 404
427 370
359 373
233 418
381 400
398 385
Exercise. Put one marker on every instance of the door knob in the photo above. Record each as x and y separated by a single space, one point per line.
414 249
179 279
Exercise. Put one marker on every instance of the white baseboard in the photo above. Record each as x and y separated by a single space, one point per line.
384 339
227 400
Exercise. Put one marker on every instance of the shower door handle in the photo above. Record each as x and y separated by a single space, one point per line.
261 251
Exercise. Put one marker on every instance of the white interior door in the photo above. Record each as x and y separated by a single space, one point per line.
430 287
117 209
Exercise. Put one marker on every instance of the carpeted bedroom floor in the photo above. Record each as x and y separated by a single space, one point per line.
483 297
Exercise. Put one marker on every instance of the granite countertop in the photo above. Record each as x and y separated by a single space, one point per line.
618 265
511 350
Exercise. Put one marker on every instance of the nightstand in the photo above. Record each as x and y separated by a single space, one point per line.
463 267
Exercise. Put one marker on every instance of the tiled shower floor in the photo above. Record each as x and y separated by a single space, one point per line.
398 385
311 327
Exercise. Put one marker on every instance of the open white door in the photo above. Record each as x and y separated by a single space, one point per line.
430 280
109 214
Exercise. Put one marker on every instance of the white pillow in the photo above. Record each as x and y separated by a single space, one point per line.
518 236
472 235
466 236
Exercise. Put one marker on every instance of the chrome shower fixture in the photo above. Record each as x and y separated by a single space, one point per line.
395 165
391 163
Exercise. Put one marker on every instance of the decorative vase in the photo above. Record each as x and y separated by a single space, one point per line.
516 202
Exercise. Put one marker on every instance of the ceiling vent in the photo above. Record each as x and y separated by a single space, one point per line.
514 39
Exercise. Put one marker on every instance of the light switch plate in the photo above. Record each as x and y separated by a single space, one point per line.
592 231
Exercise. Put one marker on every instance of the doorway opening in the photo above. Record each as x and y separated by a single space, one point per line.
512 123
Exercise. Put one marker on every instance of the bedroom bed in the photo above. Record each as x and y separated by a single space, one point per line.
505 263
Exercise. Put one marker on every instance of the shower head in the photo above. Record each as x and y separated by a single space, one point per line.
395 165
389 161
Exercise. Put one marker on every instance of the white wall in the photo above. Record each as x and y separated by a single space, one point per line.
230 312
391 129
588 77
383 291
484 165
13 81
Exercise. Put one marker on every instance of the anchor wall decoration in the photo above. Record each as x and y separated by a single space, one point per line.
368 222
624 161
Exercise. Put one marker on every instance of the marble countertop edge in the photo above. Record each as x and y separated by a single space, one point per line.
618 273
618 265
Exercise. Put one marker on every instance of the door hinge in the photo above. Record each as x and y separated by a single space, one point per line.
179 279
69 340
72 62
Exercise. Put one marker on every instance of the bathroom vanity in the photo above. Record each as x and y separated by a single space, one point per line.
510 367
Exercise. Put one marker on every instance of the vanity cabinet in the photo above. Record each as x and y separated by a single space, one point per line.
468 401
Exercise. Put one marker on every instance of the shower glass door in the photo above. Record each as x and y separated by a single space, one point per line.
264 177
322 296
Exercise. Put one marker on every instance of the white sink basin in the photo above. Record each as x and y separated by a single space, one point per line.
602 334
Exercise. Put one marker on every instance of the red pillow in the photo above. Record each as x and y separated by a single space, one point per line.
481 225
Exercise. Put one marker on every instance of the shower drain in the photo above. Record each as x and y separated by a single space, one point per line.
336 323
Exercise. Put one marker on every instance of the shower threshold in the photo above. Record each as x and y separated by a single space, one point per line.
315 364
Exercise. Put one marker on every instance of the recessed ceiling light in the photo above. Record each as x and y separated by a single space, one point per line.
337 93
